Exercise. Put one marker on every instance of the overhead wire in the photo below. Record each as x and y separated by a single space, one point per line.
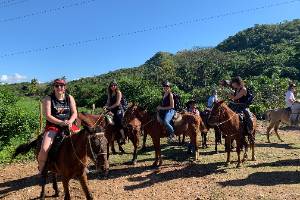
153 28
46 11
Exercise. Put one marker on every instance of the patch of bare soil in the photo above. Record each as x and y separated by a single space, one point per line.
275 175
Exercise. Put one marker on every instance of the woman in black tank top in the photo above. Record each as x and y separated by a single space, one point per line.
60 110
240 101
114 97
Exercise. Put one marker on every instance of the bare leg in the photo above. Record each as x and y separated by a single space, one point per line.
276 131
83 183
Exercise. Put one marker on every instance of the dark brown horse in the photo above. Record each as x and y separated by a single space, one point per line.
72 156
233 129
188 124
218 136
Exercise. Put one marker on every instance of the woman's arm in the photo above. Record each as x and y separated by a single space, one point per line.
47 112
73 109
240 94
118 102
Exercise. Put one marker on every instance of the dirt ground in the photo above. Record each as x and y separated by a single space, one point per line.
275 174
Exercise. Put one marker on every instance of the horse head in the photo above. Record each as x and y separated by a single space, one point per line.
92 123
134 111
95 126
214 117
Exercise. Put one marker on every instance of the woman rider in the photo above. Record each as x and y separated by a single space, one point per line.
60 110
290 97
166 110
114 97
240 100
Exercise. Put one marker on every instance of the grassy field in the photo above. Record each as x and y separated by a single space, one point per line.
275 174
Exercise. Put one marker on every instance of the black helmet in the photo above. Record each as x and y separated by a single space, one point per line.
166 84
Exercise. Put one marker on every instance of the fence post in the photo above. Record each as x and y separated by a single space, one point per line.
93 108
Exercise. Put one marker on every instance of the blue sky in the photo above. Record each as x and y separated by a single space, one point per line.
98 18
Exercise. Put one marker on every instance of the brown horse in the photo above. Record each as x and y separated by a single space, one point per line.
188 124
218 136
233 129
71 159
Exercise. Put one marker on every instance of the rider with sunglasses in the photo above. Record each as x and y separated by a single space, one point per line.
61 112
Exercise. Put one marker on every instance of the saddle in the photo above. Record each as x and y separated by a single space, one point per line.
58 141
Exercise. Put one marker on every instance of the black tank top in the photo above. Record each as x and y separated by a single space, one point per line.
243 99
112 101
166 101
60 109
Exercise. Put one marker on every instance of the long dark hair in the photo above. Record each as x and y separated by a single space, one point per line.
109 91
238 80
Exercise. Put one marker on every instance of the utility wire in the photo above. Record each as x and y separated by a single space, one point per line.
166 26
47 11
9 3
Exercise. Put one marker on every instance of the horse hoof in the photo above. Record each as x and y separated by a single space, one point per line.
253 159
281 140
238 165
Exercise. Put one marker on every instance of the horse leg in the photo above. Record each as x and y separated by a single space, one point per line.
135 146
252 145
83 183
238 150
43 180
112 146
271 125
144 140
55 187
183 139
121 148
276 131
156 144
228 149
244 143
65 183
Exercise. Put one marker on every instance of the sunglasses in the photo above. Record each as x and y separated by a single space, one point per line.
57 86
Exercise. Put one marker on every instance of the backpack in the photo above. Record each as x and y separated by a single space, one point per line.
124 103
177 102
249 96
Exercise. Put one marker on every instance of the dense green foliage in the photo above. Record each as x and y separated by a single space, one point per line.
18 121
266 56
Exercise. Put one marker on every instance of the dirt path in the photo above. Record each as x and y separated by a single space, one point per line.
275 175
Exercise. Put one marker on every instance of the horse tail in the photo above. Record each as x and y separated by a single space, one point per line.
25 148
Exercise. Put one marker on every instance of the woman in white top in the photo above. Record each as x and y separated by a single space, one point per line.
290 96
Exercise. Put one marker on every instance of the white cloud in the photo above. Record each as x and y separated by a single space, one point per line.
12 78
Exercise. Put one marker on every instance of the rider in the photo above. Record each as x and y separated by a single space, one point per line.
114 98
166 110
290 96
191 107
60 110
212 99
240 101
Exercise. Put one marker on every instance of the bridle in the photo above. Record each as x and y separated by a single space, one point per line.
90 145
219 114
